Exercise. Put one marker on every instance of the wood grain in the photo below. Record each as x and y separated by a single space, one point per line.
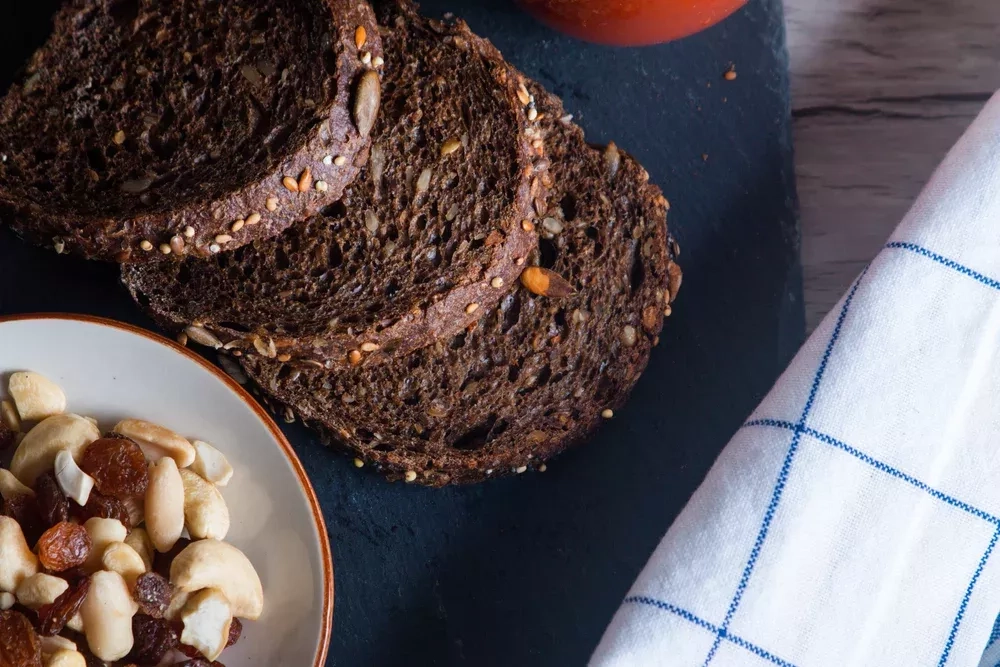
881 89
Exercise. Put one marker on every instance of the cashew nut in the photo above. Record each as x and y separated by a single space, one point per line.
36 396
10 486
215 564
7 600
17 562
64 658
40 589
205 511
37 452
75 483
177 602
164 504
76 623
8 415
123 559
52 643
103 532
107 616
156 441
139 540
211 464
207 617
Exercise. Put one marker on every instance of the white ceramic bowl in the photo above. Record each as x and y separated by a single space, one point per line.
111 371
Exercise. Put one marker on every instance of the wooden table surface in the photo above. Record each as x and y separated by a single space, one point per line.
881 89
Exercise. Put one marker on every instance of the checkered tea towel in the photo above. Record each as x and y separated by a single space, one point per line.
854 518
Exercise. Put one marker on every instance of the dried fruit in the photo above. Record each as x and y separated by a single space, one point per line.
19 644
366 102
53 506
163 561
152 638
190 651
7 436
52 618
152 593
235 632
64 546
117 466
106 507
24 510
545 282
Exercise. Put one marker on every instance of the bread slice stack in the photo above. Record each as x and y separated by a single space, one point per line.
472 289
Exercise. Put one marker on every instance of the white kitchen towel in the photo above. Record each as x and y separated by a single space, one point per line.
854 518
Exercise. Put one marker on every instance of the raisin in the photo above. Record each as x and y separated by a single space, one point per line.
52 618
64 546
73 575
189 651
235 632
20 645
106 507
162 562
52 502
153 637
152 594
117 466
23 509
7 436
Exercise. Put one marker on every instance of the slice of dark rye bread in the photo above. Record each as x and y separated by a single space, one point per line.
534 375
144 124
429 237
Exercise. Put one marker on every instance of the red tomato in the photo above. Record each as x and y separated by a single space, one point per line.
631 22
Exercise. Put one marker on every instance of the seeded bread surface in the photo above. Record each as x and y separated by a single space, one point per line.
535 374
146 123
429 238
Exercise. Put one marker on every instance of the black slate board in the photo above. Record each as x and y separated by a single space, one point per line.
528 570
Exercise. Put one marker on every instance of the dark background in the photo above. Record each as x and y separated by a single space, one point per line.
529 570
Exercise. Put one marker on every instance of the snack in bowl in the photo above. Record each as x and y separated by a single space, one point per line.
92 531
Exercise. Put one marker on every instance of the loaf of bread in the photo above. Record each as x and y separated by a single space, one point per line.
149 129
431 236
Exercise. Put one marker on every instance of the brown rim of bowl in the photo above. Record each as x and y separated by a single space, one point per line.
327 624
